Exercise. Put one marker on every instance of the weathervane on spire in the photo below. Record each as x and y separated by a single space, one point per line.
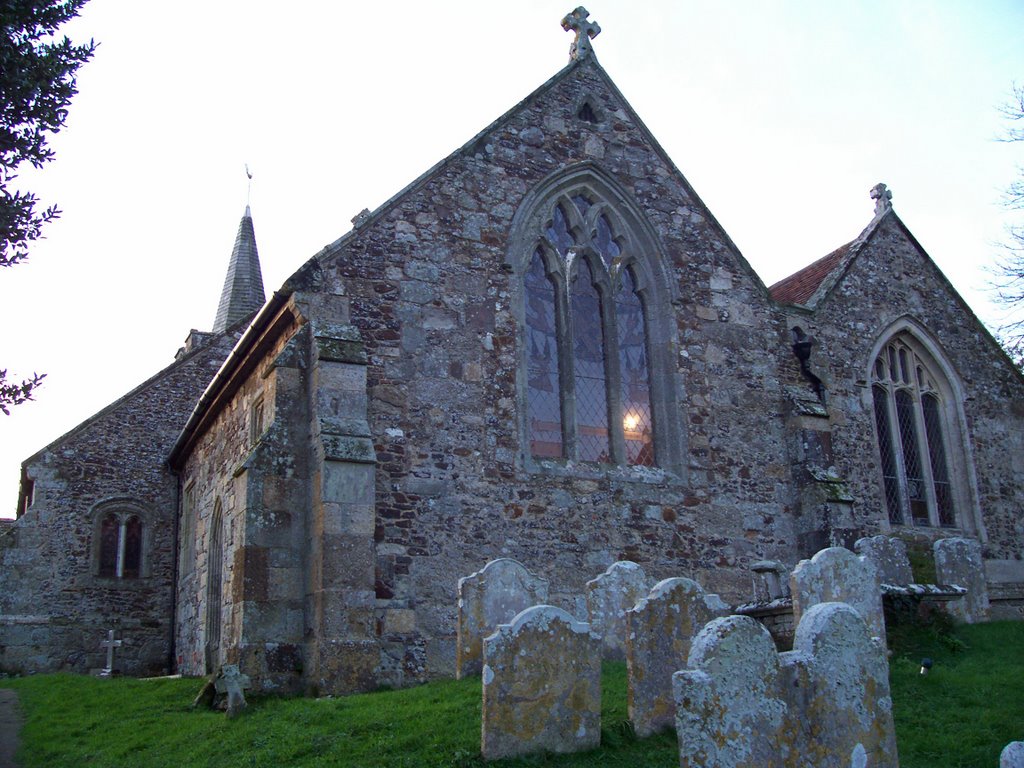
882 197
248 192
585 31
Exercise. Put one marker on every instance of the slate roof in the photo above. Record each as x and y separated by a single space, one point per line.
243 285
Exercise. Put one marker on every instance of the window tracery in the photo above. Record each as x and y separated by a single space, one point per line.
912 427
588 379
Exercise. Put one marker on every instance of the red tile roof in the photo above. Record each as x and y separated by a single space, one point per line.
799 287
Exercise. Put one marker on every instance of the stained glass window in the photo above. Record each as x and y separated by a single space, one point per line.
588 384
885 447
109 544
120 546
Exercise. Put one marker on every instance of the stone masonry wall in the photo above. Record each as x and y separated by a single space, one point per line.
430 291
54 608
889 281
259 476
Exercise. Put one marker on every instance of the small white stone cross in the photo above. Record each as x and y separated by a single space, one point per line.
882 198
232 682
110 644
585 31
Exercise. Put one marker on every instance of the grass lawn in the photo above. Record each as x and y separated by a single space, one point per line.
962 714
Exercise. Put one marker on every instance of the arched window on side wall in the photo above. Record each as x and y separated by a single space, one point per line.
119 548
214 589
915 427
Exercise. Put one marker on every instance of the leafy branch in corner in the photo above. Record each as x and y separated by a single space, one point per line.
16 394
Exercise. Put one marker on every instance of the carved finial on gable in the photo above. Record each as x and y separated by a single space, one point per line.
585 31
882 198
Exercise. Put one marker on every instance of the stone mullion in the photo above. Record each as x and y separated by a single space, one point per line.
613 373
901 467
926 459
566 371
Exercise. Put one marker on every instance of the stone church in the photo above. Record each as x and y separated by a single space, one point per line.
544 348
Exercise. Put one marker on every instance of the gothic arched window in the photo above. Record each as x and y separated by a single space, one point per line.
119 544
913 425
587 339
214 589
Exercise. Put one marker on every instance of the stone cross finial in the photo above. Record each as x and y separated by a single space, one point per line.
585 31
110 644
882 198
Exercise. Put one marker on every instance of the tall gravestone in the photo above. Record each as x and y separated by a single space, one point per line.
848 704
541 685
958 561
493 595
609 596
731 711
660 629
838 575
889 556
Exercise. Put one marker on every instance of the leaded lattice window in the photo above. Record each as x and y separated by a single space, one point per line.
909 426
588 379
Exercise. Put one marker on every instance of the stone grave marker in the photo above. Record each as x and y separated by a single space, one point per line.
731 712
1012 755
958 561
609 596
838 575
493 595
847 705
889 556
110 644
541 685
232 682
660 629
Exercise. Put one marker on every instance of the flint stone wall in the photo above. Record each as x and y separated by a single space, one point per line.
541 685
825 704
660 629
609 597
958 561
838 575
493 595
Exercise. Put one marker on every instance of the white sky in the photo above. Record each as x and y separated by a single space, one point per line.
782 115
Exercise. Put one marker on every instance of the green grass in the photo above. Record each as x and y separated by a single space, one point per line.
962 714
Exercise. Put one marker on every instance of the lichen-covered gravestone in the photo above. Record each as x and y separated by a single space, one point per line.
731 711
660 629
838 575
541 685
889 556
958 561
1012 755
609 596
232 682
847 706
487 598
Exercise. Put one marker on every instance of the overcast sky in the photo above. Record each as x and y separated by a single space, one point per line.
782 115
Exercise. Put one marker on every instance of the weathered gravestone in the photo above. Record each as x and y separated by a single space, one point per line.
609 596
838 575
541 685
232 682
493 595
958 561
660 629
846 712
730 710
889 556
825 704
1012 755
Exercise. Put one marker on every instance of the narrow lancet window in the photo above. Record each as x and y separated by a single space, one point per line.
543 394
637 425
590 380
890 478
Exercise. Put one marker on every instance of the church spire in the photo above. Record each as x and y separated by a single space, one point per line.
243 285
